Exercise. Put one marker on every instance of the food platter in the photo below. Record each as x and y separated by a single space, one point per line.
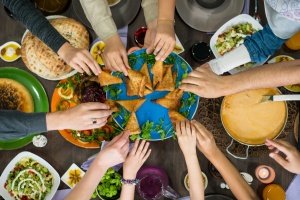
71 135
151 112
11 166
39 97
243 18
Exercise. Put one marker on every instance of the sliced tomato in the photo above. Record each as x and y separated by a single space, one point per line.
64 105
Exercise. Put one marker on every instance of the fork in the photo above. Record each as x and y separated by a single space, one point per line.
256 15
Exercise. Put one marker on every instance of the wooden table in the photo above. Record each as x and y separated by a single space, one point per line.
61 153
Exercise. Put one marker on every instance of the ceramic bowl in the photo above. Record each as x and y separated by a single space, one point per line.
185 182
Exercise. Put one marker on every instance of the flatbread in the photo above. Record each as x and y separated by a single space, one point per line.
133 125
130 91
176 117
14 96
72 31
171 100
132 105
106 78
145 72
113 105
158 70
167 83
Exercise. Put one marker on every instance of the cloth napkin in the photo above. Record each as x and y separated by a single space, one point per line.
293 191
61 194
87 163
123 32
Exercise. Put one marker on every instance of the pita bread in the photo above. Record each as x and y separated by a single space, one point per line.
106 78
138 81
171 100
145 72
130 88
132 105
133 125
167 84
74 32
176 117
14 96
158 70
112 104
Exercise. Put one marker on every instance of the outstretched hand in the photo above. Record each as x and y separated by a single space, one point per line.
186 134
115 55
291 160
79 59
205 83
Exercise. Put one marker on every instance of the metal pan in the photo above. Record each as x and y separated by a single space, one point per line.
248 143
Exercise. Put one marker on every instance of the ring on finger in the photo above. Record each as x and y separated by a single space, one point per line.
94 121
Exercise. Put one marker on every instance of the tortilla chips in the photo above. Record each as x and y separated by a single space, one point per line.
133 125
106 78
132 105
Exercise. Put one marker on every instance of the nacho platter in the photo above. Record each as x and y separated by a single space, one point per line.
86 138
153 118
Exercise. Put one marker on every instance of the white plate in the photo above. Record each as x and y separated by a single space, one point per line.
40 160
242 18
65 177
64 76
273 60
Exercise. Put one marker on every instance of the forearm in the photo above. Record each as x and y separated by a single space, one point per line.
87 185
166 9
232 177
25 12
195 177
266 76
150 8
16 124
100 17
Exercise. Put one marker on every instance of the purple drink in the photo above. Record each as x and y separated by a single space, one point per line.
150 187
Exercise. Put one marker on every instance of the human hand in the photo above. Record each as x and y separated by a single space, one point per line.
203 82
205 140
164 41
79 117
186 134
291 161
115 55
138 155
79 59
115 151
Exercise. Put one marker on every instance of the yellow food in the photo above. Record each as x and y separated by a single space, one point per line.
177 49
66 93
248 120
74 177
10 52
97 52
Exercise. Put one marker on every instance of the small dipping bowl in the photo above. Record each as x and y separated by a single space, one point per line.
6 54
201 51
139 36
112 3
265 174
273 192
186 179
132 49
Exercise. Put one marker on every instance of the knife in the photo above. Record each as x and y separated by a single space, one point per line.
288 97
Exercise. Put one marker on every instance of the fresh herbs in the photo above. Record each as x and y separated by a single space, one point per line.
132 58
159 128
170 60
114 91
110 184
134 137
149 58
146 130
126 117
185 74
187 103
119 74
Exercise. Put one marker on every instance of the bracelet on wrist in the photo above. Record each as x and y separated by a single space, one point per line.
129 182
166 20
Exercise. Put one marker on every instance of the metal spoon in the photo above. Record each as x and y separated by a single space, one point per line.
256 15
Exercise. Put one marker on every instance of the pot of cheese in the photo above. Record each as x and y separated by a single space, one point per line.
249 121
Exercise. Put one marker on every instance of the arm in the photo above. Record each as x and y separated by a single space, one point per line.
205 83
186 135
25 12
132 164
232 177
162 39
99 15
114 153
291 161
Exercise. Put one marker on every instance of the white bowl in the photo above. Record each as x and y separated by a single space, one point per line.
6 44
273 60
242 18
186 177
11 166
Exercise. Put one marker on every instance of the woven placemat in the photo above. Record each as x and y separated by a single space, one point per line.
208 114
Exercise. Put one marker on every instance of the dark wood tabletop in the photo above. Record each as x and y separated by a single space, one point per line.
61 154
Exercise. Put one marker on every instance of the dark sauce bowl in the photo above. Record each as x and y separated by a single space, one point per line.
201 51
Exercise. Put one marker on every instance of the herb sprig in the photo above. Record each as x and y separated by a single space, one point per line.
146 130
114 92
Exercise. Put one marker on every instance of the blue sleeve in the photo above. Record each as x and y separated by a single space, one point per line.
17 124
25 12
262 44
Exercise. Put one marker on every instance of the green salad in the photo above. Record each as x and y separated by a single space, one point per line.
29 180
233 37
